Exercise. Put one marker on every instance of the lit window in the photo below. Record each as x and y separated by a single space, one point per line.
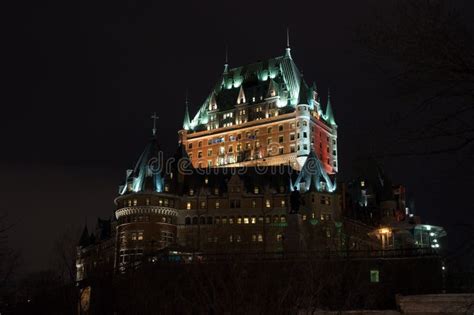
203 204
135 202
283 219
246 220
217 204
279 237
231 220
253 220
267 203
256 190
254 203
134 236
260 237
140 236
362 184
283 203
188 205
191 192
239 220
374 276
254 237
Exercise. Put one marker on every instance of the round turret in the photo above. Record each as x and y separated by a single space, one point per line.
303 136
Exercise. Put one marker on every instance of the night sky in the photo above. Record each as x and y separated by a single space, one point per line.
84 77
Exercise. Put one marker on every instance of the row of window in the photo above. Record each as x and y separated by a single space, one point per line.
202 220
236 203
236 238
166 237
144 218
161 202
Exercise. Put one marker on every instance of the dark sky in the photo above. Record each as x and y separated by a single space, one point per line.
85 76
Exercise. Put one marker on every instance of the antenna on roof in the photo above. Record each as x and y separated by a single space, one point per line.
288 49
226 64
155 118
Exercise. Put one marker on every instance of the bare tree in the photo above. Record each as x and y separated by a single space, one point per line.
9 258
427 50
64 252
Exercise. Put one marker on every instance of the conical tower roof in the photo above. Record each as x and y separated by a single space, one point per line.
329 116
186 121
85 238
147 175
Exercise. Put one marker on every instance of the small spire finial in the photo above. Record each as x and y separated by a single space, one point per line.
226 64
288 49
155 118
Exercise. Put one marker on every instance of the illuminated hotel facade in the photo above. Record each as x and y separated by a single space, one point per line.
261 114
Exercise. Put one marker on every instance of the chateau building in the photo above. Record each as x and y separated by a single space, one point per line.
263 113
254 173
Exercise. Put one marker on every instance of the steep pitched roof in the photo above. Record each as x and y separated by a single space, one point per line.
329 116
313 174
147 174
252 78
85 238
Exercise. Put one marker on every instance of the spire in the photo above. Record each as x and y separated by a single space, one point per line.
303 94
329 116
155 118
186 121
84 240
288 49
226 64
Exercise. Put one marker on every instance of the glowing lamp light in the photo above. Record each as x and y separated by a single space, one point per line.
384 231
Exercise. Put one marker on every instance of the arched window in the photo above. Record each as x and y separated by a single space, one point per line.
268 219
209 220
195 220
283 219
202 220
275 219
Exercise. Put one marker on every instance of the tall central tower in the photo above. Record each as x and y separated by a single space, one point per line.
263 113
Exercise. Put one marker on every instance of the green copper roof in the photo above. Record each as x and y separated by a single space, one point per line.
256 79
186 121
329 116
